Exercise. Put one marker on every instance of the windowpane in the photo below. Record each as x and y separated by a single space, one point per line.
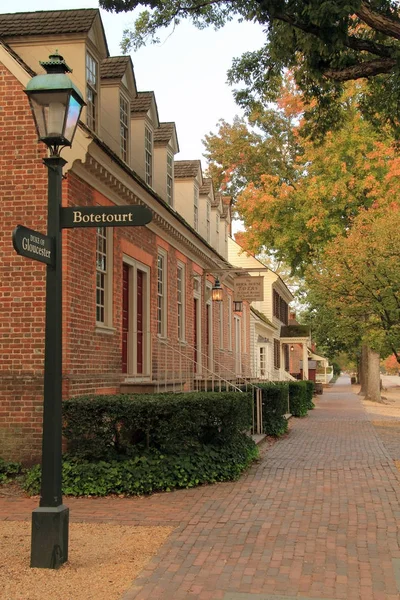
124 127
181 302
170 178
91 91
148 146
101 273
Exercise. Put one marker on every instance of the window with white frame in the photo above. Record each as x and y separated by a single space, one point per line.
148 149
221 325
91 91
162 293
170 178
217 219
229 322
124 127
208 217
103 276
196 208
263 361
180 273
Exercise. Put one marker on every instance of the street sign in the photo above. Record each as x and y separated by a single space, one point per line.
105 216
33 244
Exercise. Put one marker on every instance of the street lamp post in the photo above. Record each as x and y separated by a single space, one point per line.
56 106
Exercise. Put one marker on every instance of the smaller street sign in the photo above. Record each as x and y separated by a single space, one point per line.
33 244
105 216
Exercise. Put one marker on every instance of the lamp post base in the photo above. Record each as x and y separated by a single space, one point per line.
49 544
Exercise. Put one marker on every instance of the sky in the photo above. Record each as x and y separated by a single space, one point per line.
187 71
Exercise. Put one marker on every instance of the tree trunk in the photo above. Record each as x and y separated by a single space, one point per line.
373 377
363 370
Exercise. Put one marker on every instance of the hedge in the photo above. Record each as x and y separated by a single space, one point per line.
300 397
138 444
274 407
103 427
151 471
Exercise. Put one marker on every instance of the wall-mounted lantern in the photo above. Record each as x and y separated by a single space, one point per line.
217 293
237 306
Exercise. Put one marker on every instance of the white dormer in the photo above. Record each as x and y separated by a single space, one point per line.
188 181
165 148
144 122
118 89
225 224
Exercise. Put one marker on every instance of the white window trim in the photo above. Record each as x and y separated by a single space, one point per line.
148 153
164 313
182 266
170 178
230 312
108 282
132 356
95 90
123 98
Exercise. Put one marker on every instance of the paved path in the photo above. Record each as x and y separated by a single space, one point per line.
317 518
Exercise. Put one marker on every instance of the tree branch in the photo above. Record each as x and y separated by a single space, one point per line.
363 69
387 25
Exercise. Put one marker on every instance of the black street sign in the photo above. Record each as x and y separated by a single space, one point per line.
33 244
105 216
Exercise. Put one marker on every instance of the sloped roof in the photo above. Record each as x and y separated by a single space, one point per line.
47 22
206 187
164 133
114 67
261 316
186 168
142 102
295 331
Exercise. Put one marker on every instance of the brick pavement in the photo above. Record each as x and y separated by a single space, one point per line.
315 518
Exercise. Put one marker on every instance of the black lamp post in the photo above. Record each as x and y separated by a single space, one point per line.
56 106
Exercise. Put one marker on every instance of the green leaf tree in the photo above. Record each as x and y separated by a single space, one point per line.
324 43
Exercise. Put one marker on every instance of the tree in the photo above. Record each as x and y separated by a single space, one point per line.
266 141
324 43
330 183
358 278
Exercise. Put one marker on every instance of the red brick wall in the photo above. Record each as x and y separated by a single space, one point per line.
92 360
23 200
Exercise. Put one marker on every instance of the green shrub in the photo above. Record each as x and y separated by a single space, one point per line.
107 427
310 386
274 407
9 470
300 398
151 471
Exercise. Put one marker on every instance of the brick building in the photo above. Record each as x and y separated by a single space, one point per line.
138 314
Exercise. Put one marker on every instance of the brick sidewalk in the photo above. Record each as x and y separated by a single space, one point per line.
315 518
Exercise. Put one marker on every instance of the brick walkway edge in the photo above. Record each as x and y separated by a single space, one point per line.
316 518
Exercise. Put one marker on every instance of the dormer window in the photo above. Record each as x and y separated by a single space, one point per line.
148 148
217 229
91 91
196 209
170 178
124 127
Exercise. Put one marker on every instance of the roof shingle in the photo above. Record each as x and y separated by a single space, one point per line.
142 102
47 22
164 133
186 168
206 188
114 67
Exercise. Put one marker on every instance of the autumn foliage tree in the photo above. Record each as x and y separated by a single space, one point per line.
358 280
